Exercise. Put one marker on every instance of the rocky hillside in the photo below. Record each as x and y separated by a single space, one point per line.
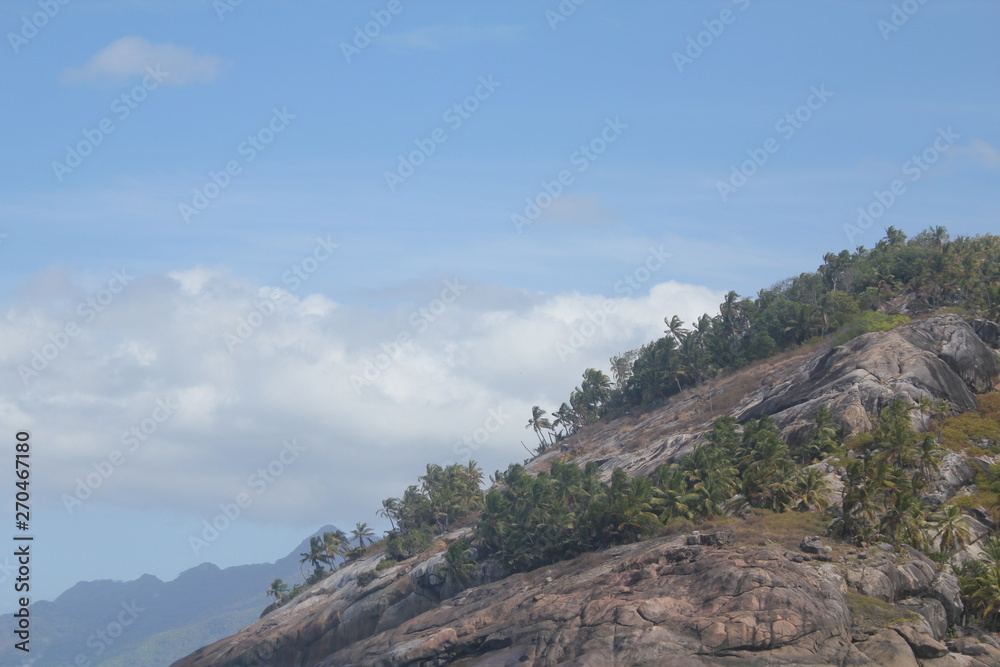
757 591
938 358
172 618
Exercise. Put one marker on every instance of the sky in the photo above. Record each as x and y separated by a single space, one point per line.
262 261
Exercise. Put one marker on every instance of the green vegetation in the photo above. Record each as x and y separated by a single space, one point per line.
529 521
848 295
980 581
958 432
279 590
746 470
891 469
444 496
868 614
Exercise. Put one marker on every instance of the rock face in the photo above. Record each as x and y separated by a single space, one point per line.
696 600
642 604
937 358
988 332
664 601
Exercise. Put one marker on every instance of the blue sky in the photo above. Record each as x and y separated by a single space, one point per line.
863 99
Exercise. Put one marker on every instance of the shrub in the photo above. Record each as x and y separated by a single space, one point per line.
867 322
969 427
400 547
366 578
385 563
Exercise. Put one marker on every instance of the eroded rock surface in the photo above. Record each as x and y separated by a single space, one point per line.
635 605
688 600
940 358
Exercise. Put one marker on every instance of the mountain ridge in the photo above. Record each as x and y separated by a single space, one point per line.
174 616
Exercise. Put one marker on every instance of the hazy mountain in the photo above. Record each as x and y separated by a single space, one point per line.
148 622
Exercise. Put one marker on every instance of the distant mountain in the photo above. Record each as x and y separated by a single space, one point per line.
148 622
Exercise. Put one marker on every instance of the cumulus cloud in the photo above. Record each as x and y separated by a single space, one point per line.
130 57
197 380
981 153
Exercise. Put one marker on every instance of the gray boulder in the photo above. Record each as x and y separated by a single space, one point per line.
988 332
937 358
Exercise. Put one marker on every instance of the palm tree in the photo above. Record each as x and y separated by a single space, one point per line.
953 533
390 510
928 459
565 419
621 367
803 322
810 490
361 533
458 563
334 543
675 328
278 589
315 556
671 496
824 439
940 236
903 521
538 422
983 588
474 474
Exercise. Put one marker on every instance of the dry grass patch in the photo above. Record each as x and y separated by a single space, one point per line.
786 529
871 614
960 432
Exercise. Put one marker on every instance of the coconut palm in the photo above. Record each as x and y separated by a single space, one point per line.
316 555
952 532
565 419
539 423
278 590
811 489
458 563
675 328
903 521
390 510
362 532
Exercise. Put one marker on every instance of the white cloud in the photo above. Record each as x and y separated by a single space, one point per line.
162 342
130 57
981 153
